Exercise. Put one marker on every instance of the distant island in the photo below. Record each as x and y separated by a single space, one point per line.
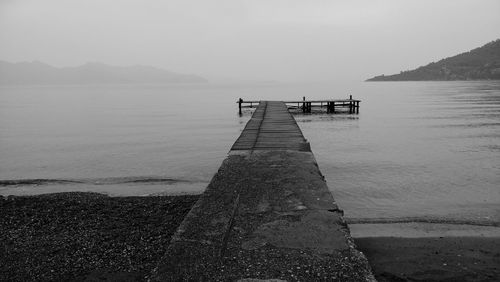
482 63
37 73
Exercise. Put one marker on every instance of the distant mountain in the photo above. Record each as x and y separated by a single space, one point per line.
31 73
479 64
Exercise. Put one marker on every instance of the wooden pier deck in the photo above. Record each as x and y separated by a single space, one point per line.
272 127
266 214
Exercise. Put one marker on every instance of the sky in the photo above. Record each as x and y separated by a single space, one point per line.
281 40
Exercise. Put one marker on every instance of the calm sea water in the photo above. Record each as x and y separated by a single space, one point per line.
426 150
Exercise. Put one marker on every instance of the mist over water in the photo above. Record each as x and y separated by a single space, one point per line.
427 150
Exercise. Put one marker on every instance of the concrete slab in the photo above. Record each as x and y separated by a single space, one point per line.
266 215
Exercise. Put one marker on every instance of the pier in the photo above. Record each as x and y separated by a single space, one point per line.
266 214
306 106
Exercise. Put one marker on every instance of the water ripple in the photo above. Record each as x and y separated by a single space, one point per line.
95 181
438 220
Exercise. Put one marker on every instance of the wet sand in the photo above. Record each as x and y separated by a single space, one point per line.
415 251
433 259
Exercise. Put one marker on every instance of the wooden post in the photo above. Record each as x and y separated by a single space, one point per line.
351 109
304 104
357 107
239 103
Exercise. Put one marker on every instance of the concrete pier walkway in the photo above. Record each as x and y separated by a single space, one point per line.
267 214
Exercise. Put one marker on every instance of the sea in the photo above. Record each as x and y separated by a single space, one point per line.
417 151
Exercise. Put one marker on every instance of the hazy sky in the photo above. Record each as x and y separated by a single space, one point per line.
284 40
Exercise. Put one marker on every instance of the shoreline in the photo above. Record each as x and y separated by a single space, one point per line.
422 230
83 235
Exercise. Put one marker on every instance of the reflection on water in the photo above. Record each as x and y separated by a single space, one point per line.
416 150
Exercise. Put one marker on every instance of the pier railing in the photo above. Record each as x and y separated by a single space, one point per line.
330 105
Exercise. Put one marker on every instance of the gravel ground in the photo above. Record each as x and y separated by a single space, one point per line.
86 236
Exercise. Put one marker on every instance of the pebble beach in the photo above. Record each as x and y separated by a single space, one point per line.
86 236
89 237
